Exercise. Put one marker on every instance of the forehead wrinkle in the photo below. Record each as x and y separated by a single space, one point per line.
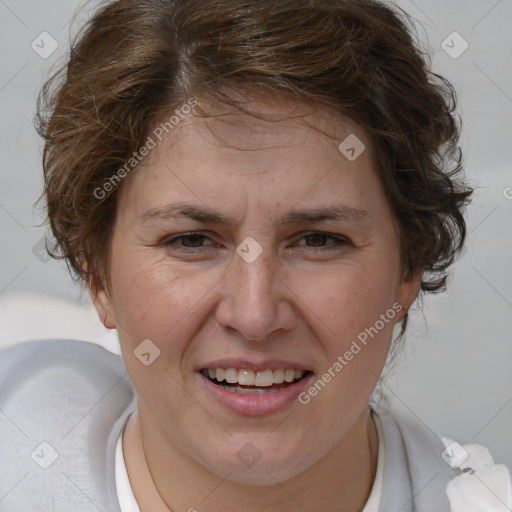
332 213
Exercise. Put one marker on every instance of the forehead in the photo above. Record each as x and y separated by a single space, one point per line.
278 159
278 135
273 123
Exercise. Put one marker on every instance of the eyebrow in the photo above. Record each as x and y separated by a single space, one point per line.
179 210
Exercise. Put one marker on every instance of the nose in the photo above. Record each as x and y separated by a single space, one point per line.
256 301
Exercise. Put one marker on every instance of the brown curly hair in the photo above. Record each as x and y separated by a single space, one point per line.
138 59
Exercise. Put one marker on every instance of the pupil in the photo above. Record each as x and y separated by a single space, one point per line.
318 237
197 238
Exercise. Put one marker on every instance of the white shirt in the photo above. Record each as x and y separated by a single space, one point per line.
128 503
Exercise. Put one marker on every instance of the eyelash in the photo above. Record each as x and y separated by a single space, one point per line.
340 241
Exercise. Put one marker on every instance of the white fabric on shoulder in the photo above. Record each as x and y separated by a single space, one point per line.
481 485
373 503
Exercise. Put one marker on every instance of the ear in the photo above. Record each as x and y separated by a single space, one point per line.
102 300
407 293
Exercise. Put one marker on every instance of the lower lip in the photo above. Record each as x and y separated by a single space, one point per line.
255 405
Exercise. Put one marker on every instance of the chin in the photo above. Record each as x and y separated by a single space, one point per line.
252 466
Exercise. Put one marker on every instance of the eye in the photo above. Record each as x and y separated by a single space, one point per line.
318 239
190 242
194 242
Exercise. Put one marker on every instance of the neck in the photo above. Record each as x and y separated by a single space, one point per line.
164 478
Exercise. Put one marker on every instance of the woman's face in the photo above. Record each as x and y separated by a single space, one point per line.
259 280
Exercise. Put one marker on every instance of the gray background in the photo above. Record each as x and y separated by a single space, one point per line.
455 373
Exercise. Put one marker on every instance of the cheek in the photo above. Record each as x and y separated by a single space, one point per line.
348 309
159 303
348 313
153 298
352 297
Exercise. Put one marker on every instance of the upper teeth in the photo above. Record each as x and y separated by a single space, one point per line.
252 378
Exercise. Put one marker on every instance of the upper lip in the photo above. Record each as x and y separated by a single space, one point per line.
244 364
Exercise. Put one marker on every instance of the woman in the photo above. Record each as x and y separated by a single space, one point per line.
254 194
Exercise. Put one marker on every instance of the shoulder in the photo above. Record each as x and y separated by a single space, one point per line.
62 406
38 376
25 358
57 378
465 474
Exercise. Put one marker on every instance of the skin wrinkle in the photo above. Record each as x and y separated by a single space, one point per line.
286 303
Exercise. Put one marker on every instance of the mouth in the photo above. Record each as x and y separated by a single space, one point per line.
250 382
